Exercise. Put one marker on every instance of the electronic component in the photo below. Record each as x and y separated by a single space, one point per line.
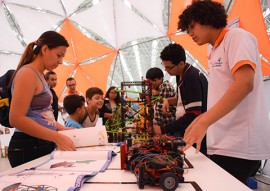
157 161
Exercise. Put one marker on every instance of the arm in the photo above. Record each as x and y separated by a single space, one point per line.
166 104
172 100
193 96
239 89
104 112
166 90
26 85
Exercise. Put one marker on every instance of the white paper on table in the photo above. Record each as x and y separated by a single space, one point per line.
66 170
90 136
44 180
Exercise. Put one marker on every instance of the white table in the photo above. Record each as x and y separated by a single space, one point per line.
206 174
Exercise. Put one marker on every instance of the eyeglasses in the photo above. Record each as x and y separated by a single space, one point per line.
71 85
168 67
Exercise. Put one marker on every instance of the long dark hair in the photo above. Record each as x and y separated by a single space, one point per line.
50 38
117 99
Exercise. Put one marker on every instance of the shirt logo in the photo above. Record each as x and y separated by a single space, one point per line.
217 63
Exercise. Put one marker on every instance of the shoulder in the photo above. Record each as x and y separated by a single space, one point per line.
72 123
166 84
193 74
238 34
26 73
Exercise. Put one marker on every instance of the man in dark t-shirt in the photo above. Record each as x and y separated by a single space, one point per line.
191 98
51 79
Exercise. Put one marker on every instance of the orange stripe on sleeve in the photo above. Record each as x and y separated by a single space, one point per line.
241 63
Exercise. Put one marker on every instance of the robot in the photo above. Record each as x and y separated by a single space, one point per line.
157 161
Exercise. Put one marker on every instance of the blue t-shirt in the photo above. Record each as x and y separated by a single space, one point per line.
72 123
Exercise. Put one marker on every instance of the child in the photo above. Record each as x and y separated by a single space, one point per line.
94 99
74 105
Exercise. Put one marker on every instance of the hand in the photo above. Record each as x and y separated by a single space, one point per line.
154 92
166 107
64 143
157 130
108 115
195 133
60 108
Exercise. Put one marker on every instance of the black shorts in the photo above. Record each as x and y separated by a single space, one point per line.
24 148
241 169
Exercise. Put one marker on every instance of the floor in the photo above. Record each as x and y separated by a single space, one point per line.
263 182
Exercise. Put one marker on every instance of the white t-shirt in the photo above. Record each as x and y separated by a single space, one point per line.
88 123
180 110
245 131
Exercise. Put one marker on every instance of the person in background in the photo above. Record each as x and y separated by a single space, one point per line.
111 104
71 90
75 107
164 89
51 79
31 112
94 99
191 96
237 122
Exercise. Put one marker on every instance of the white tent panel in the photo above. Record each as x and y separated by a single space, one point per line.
33 23
71 5
8 40
155 15
8 62
51 5
100 19
130 26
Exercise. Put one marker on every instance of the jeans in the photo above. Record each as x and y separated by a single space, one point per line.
24 148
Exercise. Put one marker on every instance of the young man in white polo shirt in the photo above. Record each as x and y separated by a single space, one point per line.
237 122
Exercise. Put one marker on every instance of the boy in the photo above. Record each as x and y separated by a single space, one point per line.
165 90
236 122
74 105
191 96
95 101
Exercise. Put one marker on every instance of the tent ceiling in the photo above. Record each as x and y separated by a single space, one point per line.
123 26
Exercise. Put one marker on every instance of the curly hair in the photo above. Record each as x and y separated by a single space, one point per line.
174 53
205 13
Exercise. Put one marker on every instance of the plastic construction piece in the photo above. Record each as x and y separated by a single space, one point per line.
146 112
157 161
168 181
